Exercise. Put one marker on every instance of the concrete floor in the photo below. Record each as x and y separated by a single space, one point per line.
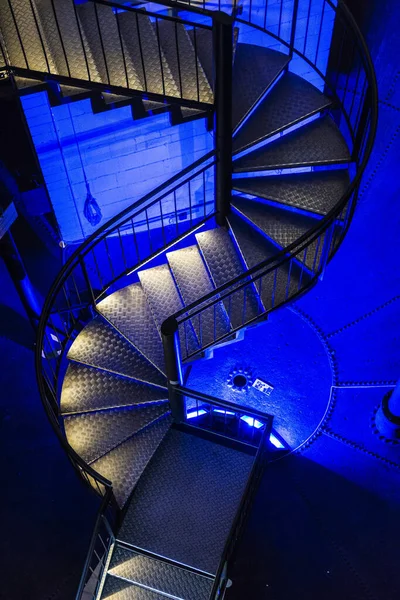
325 521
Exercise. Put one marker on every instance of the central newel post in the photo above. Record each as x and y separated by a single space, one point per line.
172 356
223 58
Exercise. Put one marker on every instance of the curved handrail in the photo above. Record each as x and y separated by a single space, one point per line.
306 240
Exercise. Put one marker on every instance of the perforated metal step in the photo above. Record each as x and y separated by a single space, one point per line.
275 287
125 464
200 483
224 264
85 389
194 282
159 575
290 101
254 71
163 298
186 69
317 143
128 310
316 192
281 226
95 433
100 345
143 56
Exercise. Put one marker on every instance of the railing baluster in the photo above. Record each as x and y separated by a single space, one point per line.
81 38
40 35
122 49
121 243
18 33
160 55
178 59
196 62
141 52
101 43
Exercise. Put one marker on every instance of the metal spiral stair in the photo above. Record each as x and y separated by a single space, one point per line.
114 399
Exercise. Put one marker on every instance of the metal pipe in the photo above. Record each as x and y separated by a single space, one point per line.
222 53
170 340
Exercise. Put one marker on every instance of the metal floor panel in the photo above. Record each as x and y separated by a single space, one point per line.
193 281
144 58
85 389
255 248
281 226
254 70
316 192
317 143
95 433
118 589
186 69
163 298
185 502
290 101
159 575
125 464
100 345
224 264
128 310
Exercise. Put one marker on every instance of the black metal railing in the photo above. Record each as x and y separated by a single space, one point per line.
99 550
125 50
350 81
115 251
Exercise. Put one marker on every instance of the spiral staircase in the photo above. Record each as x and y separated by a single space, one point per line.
176 466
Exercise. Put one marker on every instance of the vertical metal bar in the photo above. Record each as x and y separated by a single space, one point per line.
109 257
222 53
101 43
162 224
204 193
170 340
141 52
135 242
307 26
178 58
81 39
176 214
274 287
148 230
294 25
97 268
18 34
60 36
40 36
280 19
160 56
288 279
190 202
316 253
86 277
196 63
320 33
122 49
121 243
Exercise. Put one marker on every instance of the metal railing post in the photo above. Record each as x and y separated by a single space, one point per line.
294 24
222 56
170 340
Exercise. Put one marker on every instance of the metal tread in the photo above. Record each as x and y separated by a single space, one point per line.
193 281
292 100
316 192
163 298
129 312
200 484
159 575
185 66
143 56
125 464
255 248
281 226
86 388
93 434
119 589
223 262
317 143
100 345
254 71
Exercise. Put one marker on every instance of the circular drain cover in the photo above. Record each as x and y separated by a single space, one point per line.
240 381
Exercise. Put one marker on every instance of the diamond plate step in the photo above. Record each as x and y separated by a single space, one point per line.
159 575
193 281
85 389
255 69
186 69
202 42
274 288
100 345
125 464
292 100
281 226
128 310
118 589
317 143
142 54
95 433
316 192
19 27
163 298
224 264
200 483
